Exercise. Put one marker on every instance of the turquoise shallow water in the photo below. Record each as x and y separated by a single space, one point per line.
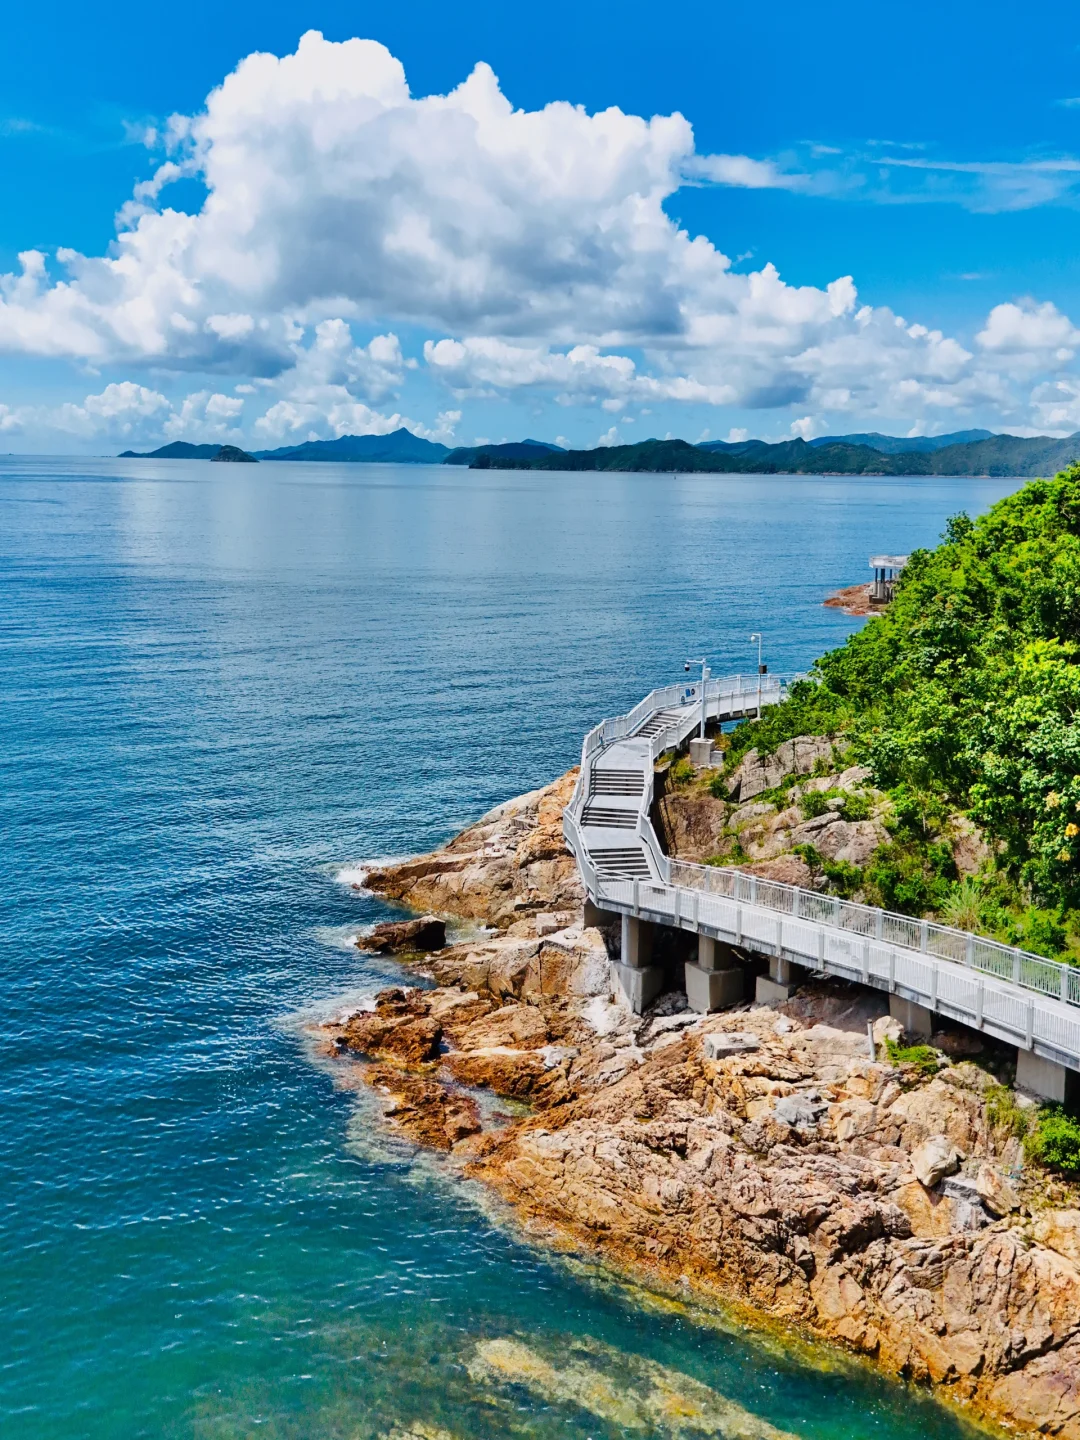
220 688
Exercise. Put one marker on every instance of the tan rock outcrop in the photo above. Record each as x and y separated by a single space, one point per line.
764 772
509 866
784 1170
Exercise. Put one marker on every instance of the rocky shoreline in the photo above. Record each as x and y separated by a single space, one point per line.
760 1155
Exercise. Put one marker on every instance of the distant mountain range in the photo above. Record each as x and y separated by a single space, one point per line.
965 452
400 445
901 444
996 455
181 450
507 450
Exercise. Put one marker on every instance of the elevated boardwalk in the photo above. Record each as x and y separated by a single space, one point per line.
1024 999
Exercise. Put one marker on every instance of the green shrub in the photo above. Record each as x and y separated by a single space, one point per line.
810 854
843 877
1004 1113
718 787
852 806
965 695
963 908
682 772
923 1058
1054 1141
817 802
857 806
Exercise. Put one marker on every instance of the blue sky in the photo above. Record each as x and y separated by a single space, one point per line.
865 218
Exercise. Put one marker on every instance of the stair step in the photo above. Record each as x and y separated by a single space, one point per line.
608 816
658 722
616 782
621 864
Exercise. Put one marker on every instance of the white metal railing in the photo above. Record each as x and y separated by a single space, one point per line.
976 998
1005 962
860 940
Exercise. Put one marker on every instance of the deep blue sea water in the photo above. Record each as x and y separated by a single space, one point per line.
221 687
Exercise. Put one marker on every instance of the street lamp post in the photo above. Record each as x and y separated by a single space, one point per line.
704 676
760 670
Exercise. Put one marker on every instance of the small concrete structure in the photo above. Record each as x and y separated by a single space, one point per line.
886 568
639 981
916 1019
729 1042
709 984
778 986
701 754
709 990
1041 1077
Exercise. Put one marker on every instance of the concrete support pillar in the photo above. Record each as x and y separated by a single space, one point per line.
780 970
778 985
916 1019
706 952
594 916
1041 1077
711 989
639 981
637 942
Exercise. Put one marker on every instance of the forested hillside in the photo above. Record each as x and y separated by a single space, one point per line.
965 696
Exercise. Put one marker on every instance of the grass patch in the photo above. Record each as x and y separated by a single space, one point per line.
682 772
922 1058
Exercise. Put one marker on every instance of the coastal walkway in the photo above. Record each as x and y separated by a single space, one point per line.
927 969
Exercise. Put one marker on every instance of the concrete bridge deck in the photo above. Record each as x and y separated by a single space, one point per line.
927 969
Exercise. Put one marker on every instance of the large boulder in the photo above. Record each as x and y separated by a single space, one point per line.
427 932
794 757
933 1160
995 1191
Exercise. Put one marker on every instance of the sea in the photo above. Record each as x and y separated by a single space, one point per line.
224 690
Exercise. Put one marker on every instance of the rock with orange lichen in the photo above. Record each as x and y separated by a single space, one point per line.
780 1176
510 866
400 1028
423 1108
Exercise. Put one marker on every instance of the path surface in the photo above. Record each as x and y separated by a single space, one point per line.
1018 997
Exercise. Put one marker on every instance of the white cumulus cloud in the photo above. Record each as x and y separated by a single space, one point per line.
530 249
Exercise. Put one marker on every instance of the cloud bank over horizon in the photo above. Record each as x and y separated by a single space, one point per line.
522 255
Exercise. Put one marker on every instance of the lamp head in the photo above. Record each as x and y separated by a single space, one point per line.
686 667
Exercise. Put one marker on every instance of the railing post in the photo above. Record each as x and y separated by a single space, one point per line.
969 951
933 985
892 970
697 909
1065 983
866 960
1030 1022
753 889
879 925
635 897
779 938
980 999
738 924
1016 967
821 948
675 910
924 935
795 902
